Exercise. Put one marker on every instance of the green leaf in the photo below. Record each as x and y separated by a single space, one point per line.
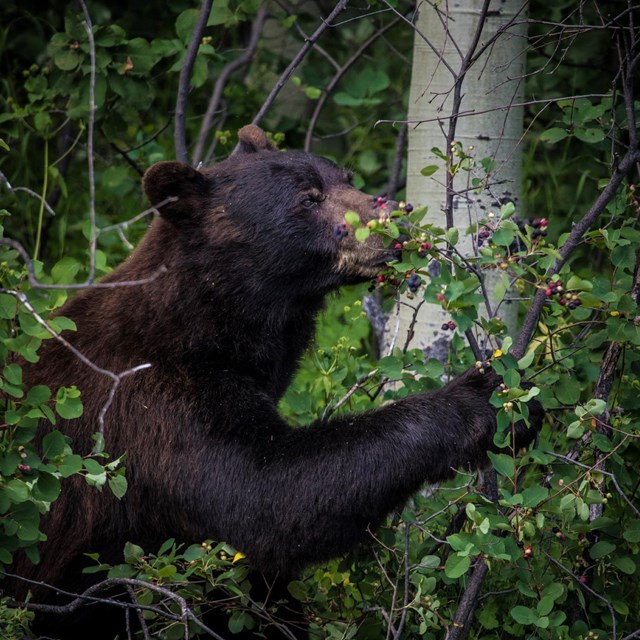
47 488
503 237
8 306
38 395
67 59
507 210
185 24
132 553
632 531
545 606
553 135
502 463
589 136
70 464
313 93
533 496
53 445
456 566
16 491
194 552
601 549
118 486
298 590
429 170
352 219
524 615
362 233
68 403
625 564
391 367
13 373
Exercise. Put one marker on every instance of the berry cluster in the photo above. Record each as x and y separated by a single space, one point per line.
558 534
341 231
570 300
413 282
448 326
483 235
379 202
553 288
482 365
527 554
381 280
539 227
424 247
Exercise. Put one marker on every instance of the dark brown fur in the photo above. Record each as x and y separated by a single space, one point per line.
250 254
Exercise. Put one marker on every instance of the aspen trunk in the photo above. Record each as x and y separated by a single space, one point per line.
493 81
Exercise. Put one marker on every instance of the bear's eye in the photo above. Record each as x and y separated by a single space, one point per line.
310 200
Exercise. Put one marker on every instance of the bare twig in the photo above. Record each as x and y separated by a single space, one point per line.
396 168
221 82
31 192
286 74
93 237
36 284
115 377
586 587
180 133
336 79
88 596
504 107
575 236
468 602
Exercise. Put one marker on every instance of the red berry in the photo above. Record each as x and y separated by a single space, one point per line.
440 297
548 292
397 245
451 324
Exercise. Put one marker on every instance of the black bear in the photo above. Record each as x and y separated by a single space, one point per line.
238 264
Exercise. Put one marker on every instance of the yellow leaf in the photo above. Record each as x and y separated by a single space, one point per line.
238 556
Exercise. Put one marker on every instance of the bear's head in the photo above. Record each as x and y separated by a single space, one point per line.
274 214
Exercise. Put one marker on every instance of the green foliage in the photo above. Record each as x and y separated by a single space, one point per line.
565 524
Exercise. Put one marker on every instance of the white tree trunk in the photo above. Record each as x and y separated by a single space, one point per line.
494 80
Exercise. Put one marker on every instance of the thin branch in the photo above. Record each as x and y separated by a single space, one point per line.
608 474
36 284
222 80
468 602
590 590
86 596
37 196
286 74
504 107
115 377
93 237
396 167
336 79
180 133
575 236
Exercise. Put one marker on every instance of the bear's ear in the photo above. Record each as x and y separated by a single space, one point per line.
166 180
253 139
